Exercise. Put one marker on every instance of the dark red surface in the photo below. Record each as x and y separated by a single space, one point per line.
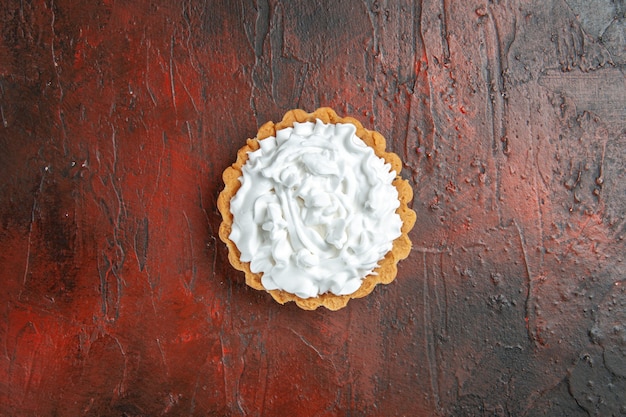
118 118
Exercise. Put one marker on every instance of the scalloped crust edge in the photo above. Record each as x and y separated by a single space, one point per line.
387 269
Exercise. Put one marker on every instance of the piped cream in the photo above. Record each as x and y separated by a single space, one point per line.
316 210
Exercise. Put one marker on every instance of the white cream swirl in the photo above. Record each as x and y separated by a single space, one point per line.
316 210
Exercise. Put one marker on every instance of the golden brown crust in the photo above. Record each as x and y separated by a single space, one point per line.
387 270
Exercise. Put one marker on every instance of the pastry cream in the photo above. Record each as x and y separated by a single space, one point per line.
316 210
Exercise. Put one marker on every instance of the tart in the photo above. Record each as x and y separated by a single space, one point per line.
314 210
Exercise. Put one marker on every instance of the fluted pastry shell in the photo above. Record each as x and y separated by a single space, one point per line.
387 269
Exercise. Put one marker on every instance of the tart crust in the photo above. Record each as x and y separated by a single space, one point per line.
387 269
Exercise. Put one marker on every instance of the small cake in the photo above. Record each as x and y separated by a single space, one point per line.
314 210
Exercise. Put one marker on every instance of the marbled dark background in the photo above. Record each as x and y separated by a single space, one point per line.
118 118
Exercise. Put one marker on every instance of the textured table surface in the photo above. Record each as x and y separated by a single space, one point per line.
118 118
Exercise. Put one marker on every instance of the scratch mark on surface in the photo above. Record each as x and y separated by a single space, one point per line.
224 366
232 394
600 178
113 264
261 26
118 294
419 28
182 82
248 28
530 286
33 210
445 293
214 263
265 384
429 337
444 32
167 371
118 260
31 382
535 187
4 120
186 12
152 286
141 240
302 74
371 55
172 87
375 29
540 171
492 112
407 131
109 294
121 205
189 135
146 77
102 271
191 284
53 18
121 388
310 345
498 82
28 337
276 45
5 123
494 82
306 342
423 249
159 165
261 31
192 405
55 64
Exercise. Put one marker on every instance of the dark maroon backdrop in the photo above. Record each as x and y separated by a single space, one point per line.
118 118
